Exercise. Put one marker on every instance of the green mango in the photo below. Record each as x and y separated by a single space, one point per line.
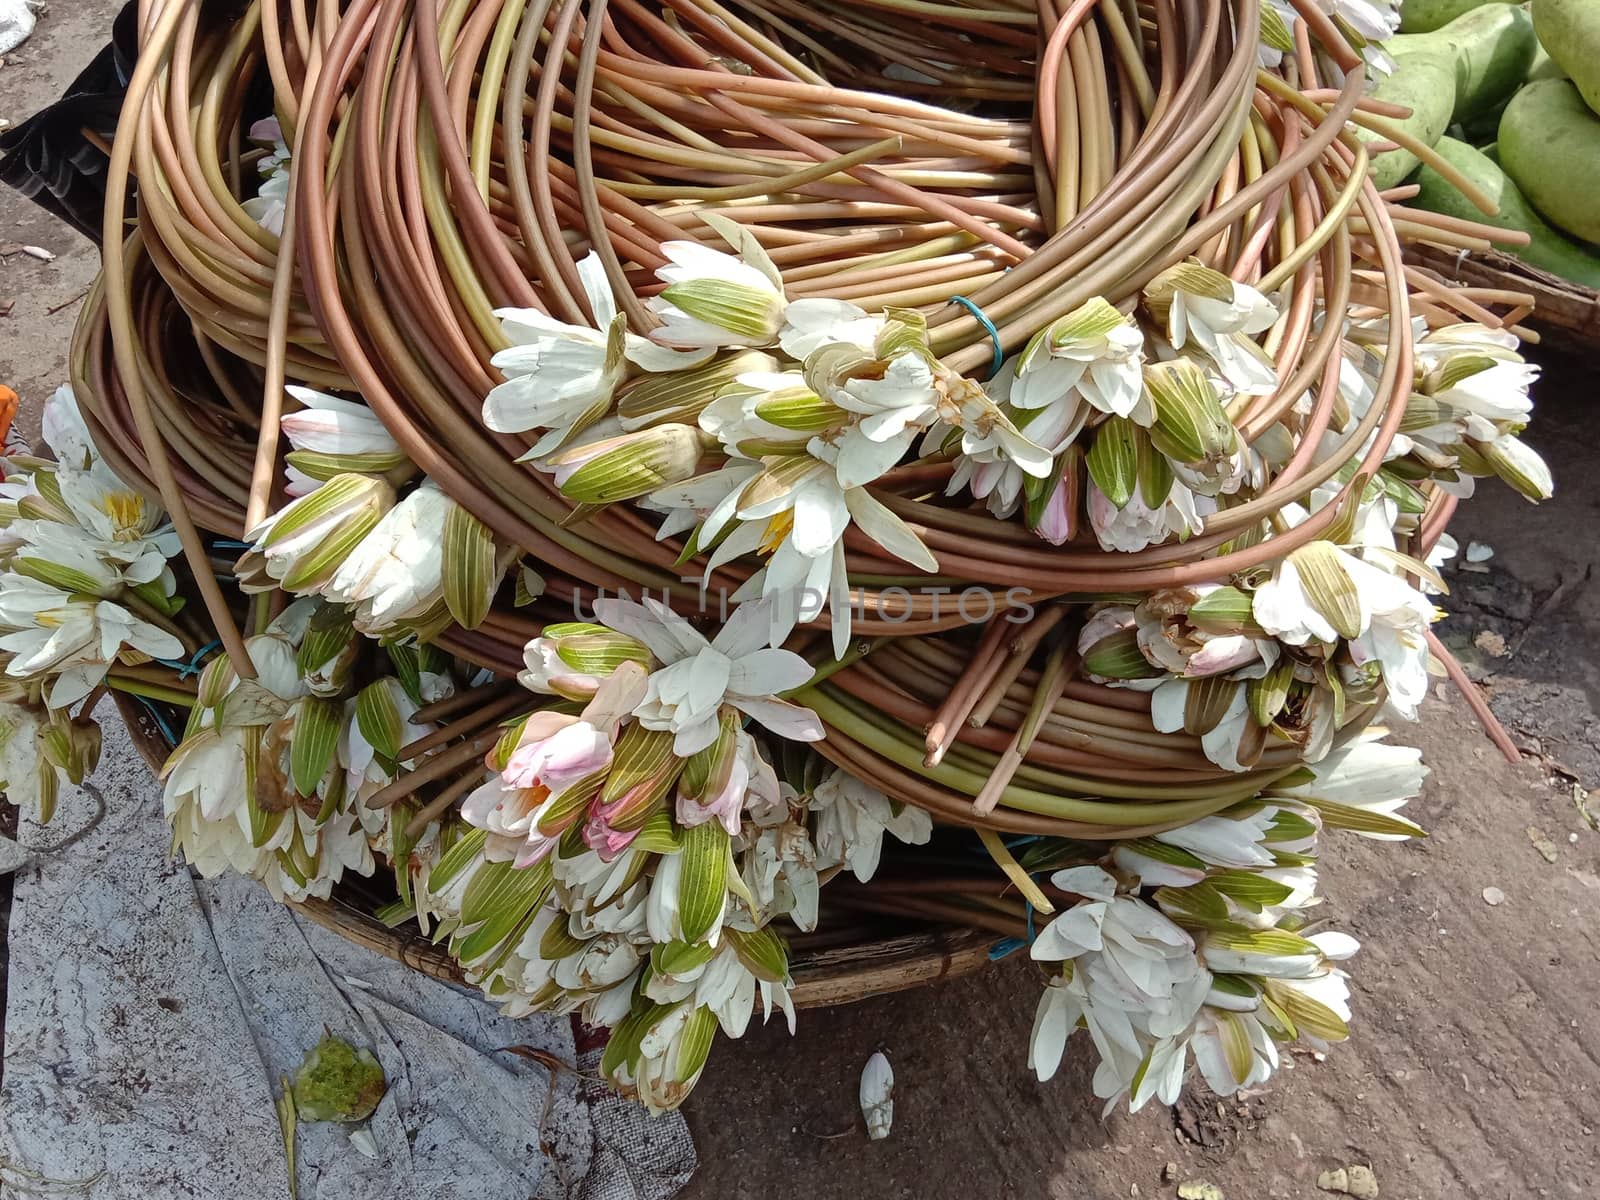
1548 249
1550 147
1454 74
1544 67
1426 84
1424 16
1492 47
1570 31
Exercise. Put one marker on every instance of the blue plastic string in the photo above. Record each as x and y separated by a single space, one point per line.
193 666
994 334
1006 946
155 715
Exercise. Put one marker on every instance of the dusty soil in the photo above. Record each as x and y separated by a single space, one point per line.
1475 1065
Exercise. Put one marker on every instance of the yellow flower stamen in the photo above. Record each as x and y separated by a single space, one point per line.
780 526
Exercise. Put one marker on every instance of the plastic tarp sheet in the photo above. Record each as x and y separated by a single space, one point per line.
152 1014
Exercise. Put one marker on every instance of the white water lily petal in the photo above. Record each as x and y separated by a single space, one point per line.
883 526
811 324
1092 883
1075 932
877 1096
768 673
781 717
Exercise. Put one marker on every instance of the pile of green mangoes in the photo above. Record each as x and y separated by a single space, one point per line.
1509 95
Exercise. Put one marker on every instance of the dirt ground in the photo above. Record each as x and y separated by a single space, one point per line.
1474 1070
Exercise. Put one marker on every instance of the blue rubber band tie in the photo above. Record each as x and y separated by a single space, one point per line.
994 334
193 666
155 715
1011 945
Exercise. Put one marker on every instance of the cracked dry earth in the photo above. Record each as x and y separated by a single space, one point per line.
1474 1070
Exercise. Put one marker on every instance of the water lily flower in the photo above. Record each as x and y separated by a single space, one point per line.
1223 1042
28 777
214 821
64 430
370 766
1229 734
1094 354
1134 982
75 640
268 206
779 869
809 325
985 465
1322 593
715 299
395 573
893 409
852 818
696 677
628 465
672 1050
67 557
876 1096
1137 525
329 436
560 377
329 425
572 659
1514 461
767 412
1366 773
304 544
1273 953
1219 316
797 511
553 773
1171 641
735 776
705 503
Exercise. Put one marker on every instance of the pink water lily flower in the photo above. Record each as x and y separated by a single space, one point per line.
529 804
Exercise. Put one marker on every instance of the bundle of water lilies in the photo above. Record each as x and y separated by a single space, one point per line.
631 465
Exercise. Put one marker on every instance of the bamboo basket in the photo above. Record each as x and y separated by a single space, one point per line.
839 967
1568 313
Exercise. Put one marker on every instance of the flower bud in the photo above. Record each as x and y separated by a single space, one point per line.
1511 459
305 543
679 397
630 465
748 315
1191 425
572 658
1054 514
